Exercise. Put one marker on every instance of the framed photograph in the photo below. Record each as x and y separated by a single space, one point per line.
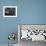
9 11
31 32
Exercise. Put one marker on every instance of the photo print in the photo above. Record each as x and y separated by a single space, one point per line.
9 11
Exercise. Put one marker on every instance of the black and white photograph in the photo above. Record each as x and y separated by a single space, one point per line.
9 11
31 34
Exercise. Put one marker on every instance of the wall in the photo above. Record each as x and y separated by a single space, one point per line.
29 12
7 25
